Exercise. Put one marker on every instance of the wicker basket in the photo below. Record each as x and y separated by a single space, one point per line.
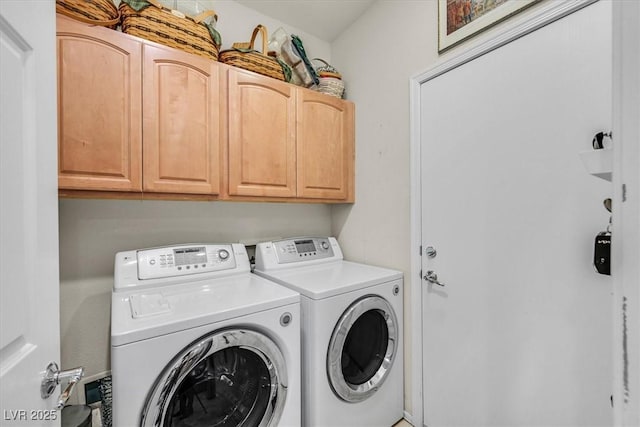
244 56
330 79
172 28
96 12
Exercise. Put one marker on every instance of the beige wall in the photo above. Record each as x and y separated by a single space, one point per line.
377 55
92 231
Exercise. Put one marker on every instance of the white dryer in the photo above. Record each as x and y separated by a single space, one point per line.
352 356
197 340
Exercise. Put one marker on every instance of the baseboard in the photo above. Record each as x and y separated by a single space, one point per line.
409 418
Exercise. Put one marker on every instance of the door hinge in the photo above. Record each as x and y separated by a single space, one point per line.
624 192
420 251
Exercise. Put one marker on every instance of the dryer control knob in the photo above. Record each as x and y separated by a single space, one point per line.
223 254
325 245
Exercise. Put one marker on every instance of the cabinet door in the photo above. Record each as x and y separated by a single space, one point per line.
181 122
262 152
325 144
99 107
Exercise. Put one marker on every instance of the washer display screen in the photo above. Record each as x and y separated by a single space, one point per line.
184 256
303 246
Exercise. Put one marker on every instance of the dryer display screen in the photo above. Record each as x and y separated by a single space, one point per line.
303 246
184 256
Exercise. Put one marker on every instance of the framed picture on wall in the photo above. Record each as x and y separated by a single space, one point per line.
459 20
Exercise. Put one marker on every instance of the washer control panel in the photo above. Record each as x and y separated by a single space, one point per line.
303 249
181 260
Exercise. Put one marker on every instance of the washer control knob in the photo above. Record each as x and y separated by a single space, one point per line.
324 245
223 254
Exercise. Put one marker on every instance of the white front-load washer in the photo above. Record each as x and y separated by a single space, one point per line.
197 340
352 355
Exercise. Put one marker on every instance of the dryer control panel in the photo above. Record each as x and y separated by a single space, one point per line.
309 250
303 249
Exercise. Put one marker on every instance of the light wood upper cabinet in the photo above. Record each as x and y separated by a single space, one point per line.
261 135
137 119
325 135
181 124
288 142
99 107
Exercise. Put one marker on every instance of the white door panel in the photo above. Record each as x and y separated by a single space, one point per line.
29 309
520 333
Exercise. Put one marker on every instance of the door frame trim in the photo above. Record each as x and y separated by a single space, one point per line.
626 209
528 23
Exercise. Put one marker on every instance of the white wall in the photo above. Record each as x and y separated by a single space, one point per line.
377 55
236 23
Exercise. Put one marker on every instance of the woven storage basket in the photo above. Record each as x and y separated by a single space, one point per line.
171 28
330 80
96 12
244 56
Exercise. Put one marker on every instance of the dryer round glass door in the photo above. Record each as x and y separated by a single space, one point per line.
362 348
225 379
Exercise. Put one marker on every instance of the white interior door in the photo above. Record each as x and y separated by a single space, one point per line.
520 335
29 310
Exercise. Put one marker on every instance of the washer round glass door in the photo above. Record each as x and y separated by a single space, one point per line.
362 348
230 378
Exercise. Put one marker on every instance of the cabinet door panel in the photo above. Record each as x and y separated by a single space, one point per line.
181 123
261 136
99 103
325 139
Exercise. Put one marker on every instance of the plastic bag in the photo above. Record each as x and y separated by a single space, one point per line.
281 43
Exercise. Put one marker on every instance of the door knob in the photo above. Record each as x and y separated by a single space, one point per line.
432 277
54 376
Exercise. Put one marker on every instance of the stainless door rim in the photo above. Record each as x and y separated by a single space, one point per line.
359 392
168 382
